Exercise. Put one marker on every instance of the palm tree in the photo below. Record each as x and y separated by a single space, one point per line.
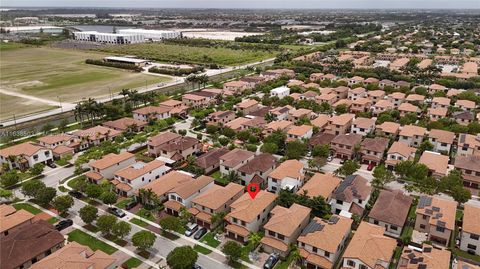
125 93
146 195
233 176
295 254
217 218
79 113
254 238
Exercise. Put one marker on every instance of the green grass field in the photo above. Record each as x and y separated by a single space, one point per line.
87 240
50 74
133 263
27 207
186 54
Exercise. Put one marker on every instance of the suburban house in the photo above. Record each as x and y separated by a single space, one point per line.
321 122
25 155
288 175
126 125
29 244
210 161
220 117
234 159
415 98
248 215
425 257
280 92
433 88
470 235
436 217
397 98
284 227
165 184
373 149
468 145
463 117
406 108
176 107
215 200
412 135
133 177
440 102
253 81
388 129
399 151
376 95
357 93
382 106
12 219
54 140
172 146
273 126
74 255
391 211
154 143
237 124
258 168
369 248
280 113
321 185
465 105
441 140
299 132
436 114
294 115
106 167
340 124
329 98
320 139
236 86
343 145
182 195
470 168
351 196
322 241
363 126
195 101
95 135
246 107
360 105
437 163
152 113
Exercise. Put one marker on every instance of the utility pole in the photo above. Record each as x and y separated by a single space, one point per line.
60 101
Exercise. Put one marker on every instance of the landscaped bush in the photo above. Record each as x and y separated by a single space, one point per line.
176 71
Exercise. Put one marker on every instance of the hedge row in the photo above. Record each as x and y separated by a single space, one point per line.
116 65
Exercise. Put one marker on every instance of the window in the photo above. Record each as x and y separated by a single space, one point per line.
271 233
440 229
422 226
315 250
363 266
472 247
281 236
340 202
393 227
474 236
375 222
327 254
424 216
351 263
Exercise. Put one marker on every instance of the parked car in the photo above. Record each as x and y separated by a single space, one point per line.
131 205
76 194
329 158
52 165
271 261
196 266
202 231
370 167
117 212
191 229
63 224
342 161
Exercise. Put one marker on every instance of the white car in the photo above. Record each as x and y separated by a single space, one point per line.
330 158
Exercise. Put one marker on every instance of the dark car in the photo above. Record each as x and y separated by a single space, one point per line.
131 205
63 224
117 212
200 233
196 266
76 194
271 261
52 165
370 167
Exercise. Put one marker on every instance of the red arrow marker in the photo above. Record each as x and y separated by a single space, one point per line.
252 189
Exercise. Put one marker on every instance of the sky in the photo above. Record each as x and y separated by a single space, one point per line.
264 4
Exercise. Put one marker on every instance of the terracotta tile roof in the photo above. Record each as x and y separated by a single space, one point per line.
429 258
391 207
362 101
179 144
321 120
274 243
466 103
346 102
168 182
238 230
471 162
348 139
326 235
220 114
28 242
247 103
289 168
299 112
10 217
370 246
389 127
172 204
371 80
237 123
255 122
439 111
152 110
320 185
97 132
411 130
437 87
441 211
384 104
124 123
435 161
247 209
56 138
236 83
286 221
138 169
465 265
471 215
94 175
194 186
408 108
260 163
162 138
74 255
378 144
217 196
441 101
327 97
62 149
342 119
321 139
171 103
235 157
111 159
415 97
353 186
376 93
211 158
397 95
299 130
402 149
194 97
365 123
442 136
278 125
26 148
468 140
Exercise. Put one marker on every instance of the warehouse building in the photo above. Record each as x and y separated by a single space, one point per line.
152 35
109 38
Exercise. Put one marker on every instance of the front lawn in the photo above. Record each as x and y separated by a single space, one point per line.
139 222
122 204
93 243
27 207
74 182
210 240
145 214
132 263
202 250
52 220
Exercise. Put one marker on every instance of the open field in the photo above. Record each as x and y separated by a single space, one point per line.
10 105
50 73
186 54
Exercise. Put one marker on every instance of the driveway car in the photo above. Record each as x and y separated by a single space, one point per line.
202 231
117 212
63 224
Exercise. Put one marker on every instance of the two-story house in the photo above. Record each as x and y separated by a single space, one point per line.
126 124
435 114
351 196
220 117
234 159
388 129
288 175
372 150
299 132
407 108
437 163
440 102
470 235
181 196
236 86
95 135
321 185
468 145
343 146
340 124
363 126
357 93
248 215
210 161
106 167
397 98
399 151
152 113
25 155
322 241
436 218
412 135
376 95
425 257
260 166
391 211
278 125
246 107
441 140
13 219
294 115
382 106
465 105
280 92
470 167
284 227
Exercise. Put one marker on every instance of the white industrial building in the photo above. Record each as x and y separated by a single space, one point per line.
153 35
109 38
